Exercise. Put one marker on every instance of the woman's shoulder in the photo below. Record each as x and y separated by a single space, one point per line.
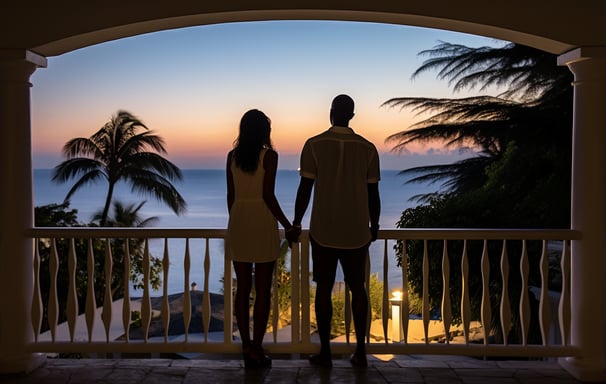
270 151
270 156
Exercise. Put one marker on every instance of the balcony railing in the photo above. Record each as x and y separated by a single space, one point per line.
487 301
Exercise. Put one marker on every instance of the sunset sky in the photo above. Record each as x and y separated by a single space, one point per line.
192 85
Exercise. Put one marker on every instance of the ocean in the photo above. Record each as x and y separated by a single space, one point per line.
204 190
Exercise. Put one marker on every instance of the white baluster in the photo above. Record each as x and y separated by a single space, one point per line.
36 308
505 308
465 306
300 305
146 310
405 312
186 293
91 303
206 309
385 299
228 297
347 299
564 305
425 291
107 299
53 300
126 315
486 307
72 301
165 304
524 301
544 304
446 306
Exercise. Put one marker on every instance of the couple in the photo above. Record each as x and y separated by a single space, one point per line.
344 167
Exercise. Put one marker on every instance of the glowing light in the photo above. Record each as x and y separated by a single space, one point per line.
397 295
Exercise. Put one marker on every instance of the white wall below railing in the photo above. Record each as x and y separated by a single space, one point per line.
98 330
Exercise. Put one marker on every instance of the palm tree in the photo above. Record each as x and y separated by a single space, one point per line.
126 216
533 111
520 174
120 151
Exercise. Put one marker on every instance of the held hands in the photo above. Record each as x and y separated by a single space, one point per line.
292 234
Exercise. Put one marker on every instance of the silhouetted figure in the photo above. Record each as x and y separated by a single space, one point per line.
344 168
252 240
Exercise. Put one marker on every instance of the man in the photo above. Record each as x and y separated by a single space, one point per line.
344 168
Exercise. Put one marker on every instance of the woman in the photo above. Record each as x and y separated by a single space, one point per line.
252 240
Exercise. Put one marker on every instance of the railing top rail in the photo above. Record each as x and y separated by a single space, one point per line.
479 234
98 232
395 233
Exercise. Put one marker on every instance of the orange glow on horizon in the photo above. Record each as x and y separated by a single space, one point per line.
198 141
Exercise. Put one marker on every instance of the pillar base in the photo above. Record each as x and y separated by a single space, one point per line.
584 369
25 363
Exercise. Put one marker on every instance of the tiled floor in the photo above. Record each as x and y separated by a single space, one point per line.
382 369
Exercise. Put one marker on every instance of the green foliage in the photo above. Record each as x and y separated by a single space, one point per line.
433 215
136 320
415 302
337 326
519 178
375 294
521 138
56 215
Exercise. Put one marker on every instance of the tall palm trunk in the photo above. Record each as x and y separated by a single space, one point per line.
108 202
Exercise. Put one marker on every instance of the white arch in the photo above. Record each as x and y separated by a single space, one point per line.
51 29
99 36
33 30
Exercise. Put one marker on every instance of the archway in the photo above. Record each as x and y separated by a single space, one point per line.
29 34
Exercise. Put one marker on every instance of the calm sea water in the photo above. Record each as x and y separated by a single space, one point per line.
204 191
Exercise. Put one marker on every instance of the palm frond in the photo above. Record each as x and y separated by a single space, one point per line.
461 175
72 168
81 146
86 179
141 142
525 72
468 108
151 162
152 184
126 215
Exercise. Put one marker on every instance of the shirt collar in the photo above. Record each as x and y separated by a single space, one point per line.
339 129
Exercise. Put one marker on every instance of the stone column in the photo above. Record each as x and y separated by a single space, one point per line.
16 207
588 277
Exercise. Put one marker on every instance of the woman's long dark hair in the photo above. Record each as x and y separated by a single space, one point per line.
255 129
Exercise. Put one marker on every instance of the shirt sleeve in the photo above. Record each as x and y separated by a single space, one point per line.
307 167
374 173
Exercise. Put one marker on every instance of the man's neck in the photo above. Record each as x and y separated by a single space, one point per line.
341 123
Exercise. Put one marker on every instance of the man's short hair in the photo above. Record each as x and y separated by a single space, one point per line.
343 104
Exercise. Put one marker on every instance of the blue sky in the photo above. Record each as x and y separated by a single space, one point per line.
192 85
